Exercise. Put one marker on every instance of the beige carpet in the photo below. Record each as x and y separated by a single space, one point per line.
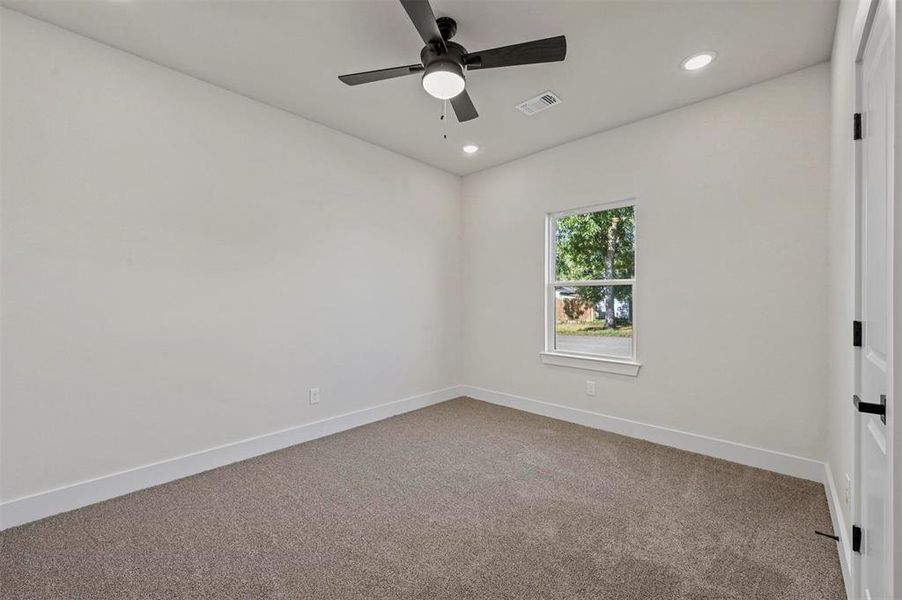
459 500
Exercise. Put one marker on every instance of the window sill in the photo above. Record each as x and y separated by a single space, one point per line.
606 365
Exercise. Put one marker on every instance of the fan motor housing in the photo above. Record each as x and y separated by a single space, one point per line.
455 54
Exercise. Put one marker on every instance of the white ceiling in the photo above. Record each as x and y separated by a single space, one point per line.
622 61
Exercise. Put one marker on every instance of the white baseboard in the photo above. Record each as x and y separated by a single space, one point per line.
779 462
844 547
44 504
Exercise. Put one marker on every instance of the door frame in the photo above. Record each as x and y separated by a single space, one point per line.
866 13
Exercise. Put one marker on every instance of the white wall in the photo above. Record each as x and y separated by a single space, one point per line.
732 230
181 263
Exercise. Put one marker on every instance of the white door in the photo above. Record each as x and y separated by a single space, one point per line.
876 192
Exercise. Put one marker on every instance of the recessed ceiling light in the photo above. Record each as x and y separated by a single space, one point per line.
471 148
698 61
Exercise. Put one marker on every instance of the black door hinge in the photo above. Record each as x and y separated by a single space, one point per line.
856 334
856 126
856 539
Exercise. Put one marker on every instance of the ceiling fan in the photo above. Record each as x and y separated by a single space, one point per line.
444 63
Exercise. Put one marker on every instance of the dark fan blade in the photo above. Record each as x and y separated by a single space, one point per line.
463 107
380 74
540 51
423 19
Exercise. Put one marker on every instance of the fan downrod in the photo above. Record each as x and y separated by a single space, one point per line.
447 27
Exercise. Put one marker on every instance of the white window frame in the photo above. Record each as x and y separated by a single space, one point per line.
593 362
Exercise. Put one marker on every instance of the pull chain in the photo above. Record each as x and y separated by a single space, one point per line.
444 123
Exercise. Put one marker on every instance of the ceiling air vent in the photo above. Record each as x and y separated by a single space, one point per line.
539 103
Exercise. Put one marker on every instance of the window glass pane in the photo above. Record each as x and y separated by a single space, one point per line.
594 320
597 245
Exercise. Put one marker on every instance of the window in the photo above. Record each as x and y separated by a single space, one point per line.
591 279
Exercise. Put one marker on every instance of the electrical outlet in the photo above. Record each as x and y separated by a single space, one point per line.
590 388
313 395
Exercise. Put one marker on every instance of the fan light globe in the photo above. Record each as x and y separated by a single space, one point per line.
443 80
